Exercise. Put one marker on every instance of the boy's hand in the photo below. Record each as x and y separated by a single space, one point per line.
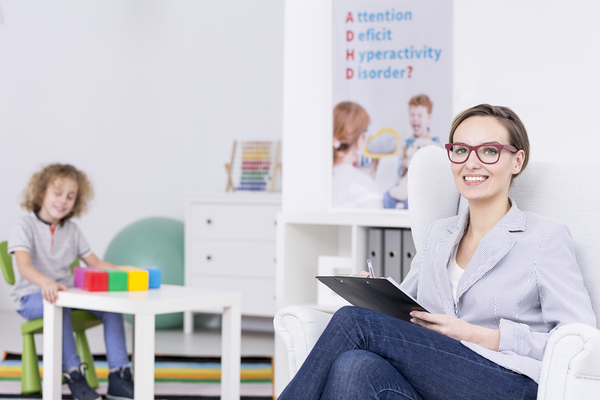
50 288
50 291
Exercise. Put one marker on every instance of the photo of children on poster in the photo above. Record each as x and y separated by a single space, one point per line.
392 95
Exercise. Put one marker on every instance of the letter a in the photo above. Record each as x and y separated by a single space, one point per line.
349 36
349 54
349 17
349 73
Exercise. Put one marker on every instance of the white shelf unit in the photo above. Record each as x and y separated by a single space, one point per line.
230 246
303 237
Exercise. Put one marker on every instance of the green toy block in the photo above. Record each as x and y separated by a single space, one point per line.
117 279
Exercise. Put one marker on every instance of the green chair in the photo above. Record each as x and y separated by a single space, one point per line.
82 320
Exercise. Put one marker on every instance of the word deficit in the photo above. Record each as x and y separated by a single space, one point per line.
370 35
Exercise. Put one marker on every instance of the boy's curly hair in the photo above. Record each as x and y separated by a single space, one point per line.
33 195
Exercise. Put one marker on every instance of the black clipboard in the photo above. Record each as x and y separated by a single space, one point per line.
381 295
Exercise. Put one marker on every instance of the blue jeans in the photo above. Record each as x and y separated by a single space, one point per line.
114 333
363 354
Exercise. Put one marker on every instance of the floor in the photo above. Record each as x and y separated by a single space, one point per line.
257 337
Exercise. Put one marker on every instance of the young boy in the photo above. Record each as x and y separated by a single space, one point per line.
419 113
44 243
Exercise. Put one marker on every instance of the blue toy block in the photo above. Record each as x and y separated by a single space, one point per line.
154 277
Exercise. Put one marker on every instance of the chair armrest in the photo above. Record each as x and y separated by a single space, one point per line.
299 328
571 364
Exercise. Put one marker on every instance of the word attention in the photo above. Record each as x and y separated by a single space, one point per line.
387 16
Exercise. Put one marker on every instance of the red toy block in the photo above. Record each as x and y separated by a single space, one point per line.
96 280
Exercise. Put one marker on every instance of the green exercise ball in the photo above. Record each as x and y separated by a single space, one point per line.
152 242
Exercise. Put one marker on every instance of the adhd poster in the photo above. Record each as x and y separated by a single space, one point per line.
392 95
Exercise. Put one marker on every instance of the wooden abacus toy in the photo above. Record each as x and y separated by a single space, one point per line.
254 166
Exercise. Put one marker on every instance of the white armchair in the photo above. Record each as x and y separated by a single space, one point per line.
569 193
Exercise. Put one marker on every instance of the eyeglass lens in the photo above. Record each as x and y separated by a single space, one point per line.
487 154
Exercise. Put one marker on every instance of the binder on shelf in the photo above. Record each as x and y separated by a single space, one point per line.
408 251
392 254
375 249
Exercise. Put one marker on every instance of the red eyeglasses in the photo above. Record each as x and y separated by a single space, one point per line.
458 153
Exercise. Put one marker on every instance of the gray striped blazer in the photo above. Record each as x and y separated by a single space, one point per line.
523 280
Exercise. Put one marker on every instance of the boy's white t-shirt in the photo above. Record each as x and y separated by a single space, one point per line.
52 253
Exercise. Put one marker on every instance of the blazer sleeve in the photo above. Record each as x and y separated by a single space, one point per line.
563 297
410 284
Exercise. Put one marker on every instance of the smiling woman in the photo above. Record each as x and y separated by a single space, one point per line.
496 280
517 134
482 174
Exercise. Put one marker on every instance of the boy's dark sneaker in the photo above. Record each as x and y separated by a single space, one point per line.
79 387
120 384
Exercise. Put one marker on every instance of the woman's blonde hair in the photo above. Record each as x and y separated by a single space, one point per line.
33 195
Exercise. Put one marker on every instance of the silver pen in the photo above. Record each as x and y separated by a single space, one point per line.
370 268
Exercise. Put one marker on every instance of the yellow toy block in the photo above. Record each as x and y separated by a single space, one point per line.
137 278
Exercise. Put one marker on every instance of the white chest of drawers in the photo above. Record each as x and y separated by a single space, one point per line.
230 245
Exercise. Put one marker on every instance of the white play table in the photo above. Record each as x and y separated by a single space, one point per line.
144 305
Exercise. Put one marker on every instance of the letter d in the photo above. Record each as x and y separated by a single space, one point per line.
349 36
349 73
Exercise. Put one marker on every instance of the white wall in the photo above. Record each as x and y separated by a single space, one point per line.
146 96
538 57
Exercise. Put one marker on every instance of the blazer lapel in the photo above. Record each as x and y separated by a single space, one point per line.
492 248
444 249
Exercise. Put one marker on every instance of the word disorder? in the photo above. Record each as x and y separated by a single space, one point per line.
363 27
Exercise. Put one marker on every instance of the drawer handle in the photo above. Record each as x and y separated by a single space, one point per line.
208 221
208 257
409 254
392 254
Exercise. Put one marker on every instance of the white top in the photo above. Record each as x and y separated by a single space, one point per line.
454 274
353 188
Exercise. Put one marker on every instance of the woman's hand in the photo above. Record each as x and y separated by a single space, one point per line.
457 329
50 291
